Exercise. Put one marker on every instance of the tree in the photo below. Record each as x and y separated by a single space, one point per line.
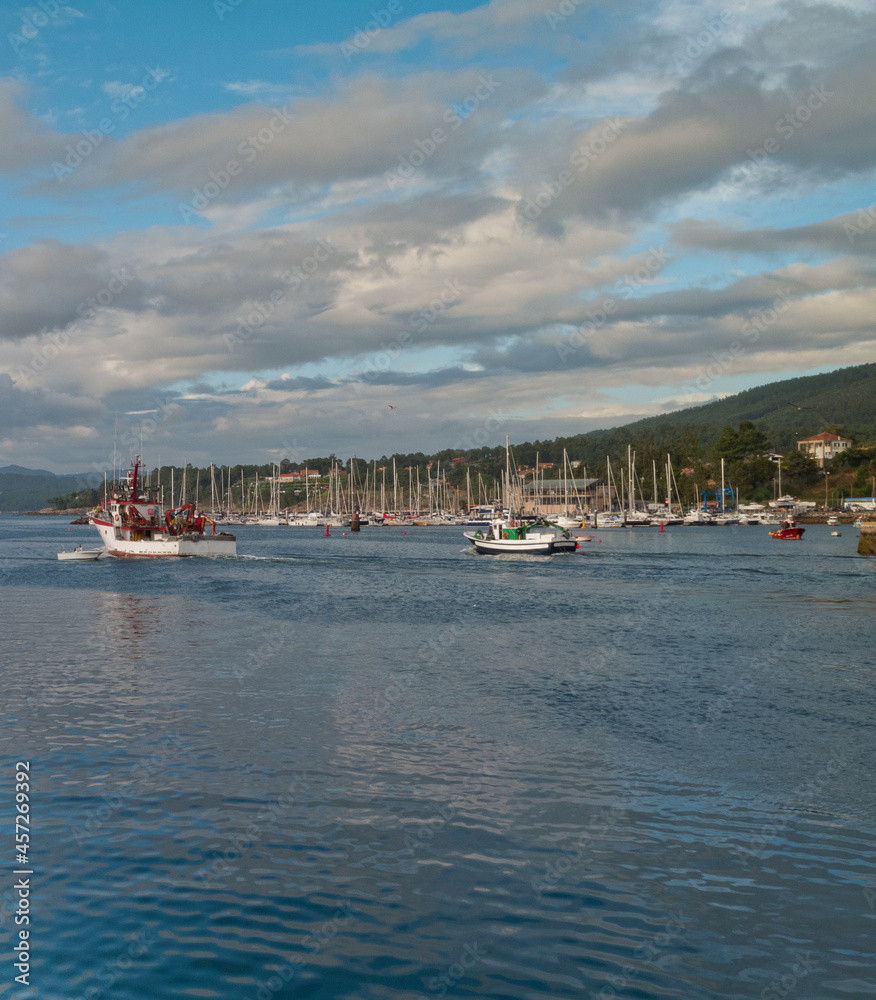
753 443
862 484
799 470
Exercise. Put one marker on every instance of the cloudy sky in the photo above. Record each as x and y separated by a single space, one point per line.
247 228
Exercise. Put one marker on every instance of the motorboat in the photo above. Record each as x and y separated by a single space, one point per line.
788 530
82 555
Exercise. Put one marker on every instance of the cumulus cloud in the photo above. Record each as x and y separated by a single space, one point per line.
541 210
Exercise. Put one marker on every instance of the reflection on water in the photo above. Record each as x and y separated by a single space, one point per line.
376 766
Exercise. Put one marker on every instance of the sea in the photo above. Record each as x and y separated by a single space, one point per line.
377 765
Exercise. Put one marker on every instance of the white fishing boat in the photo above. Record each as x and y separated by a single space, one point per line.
505 536
82 555
133 522
507 533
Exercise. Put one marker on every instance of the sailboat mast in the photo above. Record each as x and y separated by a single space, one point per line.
506 499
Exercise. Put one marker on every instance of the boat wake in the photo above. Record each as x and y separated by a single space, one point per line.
266 559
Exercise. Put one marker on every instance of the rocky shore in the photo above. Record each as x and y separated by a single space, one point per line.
50 511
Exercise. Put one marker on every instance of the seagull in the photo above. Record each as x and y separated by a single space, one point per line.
390 406
796 407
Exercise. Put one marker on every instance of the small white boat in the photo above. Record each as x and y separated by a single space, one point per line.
833 520
82 555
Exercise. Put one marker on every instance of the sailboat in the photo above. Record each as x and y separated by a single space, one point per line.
724 517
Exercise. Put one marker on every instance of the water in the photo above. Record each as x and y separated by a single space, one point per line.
377 765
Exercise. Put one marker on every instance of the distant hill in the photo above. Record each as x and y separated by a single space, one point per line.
31 490
785 411
19 470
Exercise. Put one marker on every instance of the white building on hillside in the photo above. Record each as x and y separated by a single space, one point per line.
824 447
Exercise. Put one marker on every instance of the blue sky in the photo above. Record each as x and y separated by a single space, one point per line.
247 229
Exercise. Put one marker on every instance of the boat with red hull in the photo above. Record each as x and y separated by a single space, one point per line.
133 522
789 529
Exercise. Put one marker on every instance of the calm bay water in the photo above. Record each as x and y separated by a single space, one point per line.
376 766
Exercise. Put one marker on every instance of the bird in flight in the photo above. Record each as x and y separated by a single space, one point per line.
796 407
390 406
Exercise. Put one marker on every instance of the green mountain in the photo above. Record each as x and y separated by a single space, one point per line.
31 489
843 401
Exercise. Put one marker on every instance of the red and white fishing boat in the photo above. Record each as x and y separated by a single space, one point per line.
789 529
133 522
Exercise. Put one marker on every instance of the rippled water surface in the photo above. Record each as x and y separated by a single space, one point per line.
378 765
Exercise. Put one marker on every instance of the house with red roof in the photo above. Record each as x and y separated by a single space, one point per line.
823 447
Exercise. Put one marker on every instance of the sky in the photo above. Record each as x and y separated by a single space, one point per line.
247 230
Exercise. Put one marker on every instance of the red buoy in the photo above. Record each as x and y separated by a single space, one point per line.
326 530
661 526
